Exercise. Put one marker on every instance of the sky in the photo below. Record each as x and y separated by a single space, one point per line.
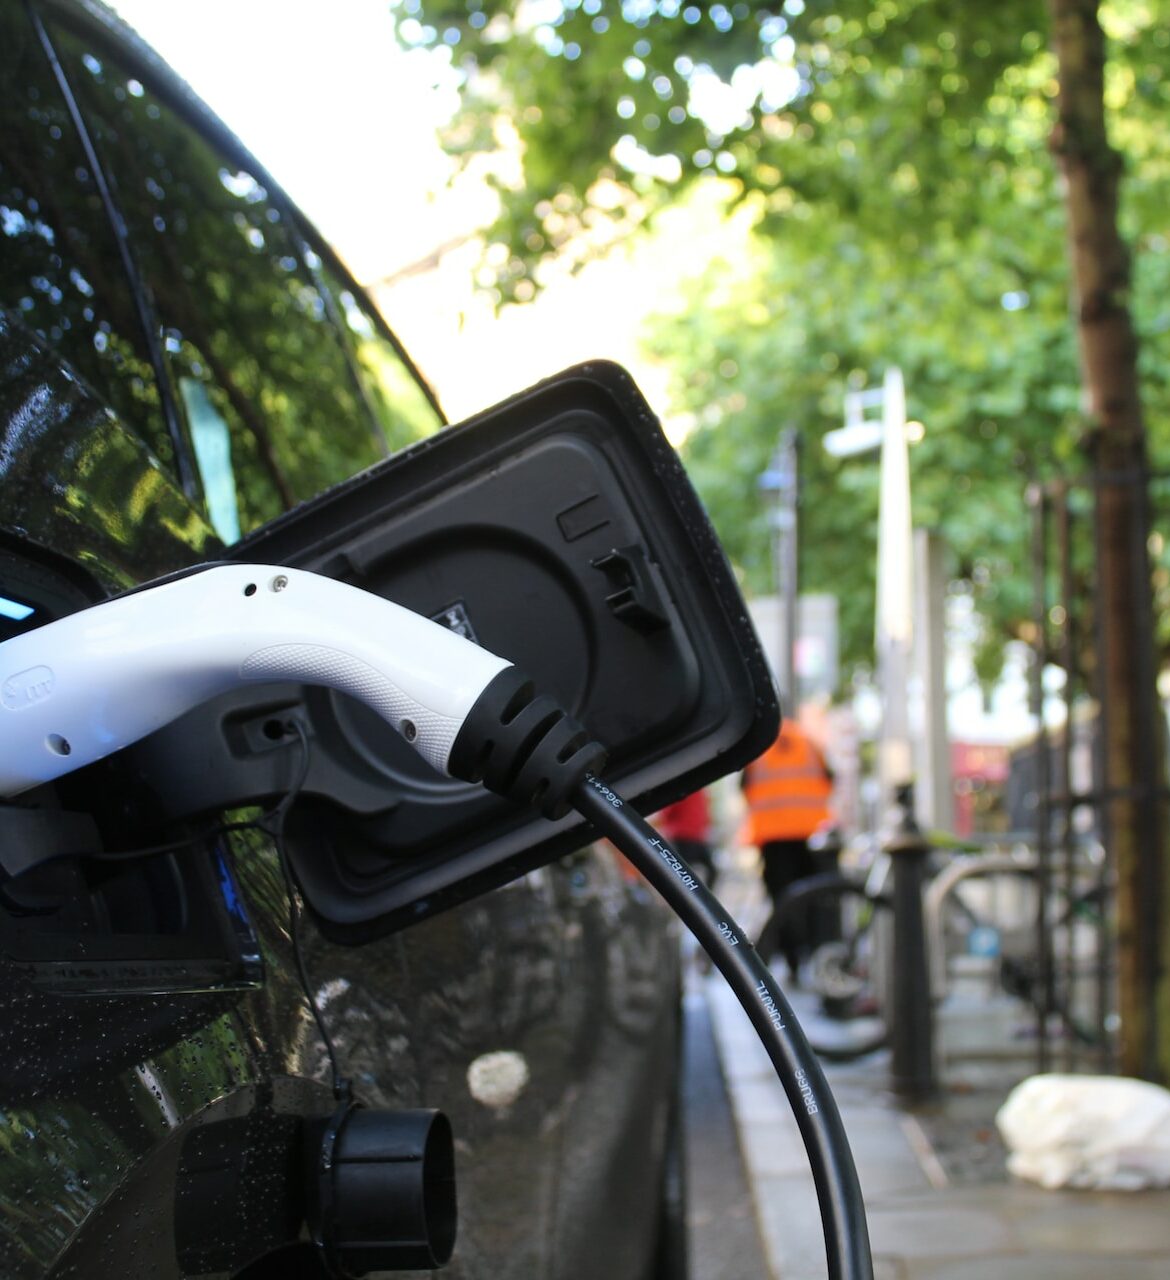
347 121
329 103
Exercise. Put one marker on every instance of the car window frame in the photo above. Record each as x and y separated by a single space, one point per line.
110 34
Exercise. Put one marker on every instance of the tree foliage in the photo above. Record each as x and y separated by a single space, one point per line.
895 157
777 349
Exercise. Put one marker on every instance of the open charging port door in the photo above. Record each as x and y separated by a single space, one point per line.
557 529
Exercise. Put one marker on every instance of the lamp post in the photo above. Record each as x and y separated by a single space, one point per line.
908 997
894 627
780 485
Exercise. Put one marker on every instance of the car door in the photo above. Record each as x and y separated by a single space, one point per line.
182 362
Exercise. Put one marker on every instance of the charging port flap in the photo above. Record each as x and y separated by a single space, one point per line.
559 530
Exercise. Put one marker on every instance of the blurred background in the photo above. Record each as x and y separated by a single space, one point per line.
894 275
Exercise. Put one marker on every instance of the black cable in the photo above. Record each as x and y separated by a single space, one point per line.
813 1105
272 823
184 845
275 825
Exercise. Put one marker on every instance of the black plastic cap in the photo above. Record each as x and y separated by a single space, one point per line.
524 747
383 1191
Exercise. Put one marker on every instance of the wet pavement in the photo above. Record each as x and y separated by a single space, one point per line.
940 1203
724 1232
922 1224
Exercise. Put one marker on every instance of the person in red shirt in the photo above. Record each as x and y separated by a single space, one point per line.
687 825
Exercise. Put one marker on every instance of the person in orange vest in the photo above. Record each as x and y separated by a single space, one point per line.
787 790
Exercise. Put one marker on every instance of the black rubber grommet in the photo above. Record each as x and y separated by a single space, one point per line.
524 747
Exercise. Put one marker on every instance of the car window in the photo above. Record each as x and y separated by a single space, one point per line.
287 384
59 265
391 388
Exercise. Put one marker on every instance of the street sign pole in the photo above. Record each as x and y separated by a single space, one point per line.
780 484
894 630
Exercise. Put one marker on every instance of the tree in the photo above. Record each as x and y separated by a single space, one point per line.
895 155
1134 767
777 347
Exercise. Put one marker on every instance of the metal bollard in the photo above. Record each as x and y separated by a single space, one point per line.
911 1020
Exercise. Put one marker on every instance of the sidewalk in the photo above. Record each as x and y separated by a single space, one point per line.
923 1224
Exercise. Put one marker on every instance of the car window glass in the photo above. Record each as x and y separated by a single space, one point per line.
244 312
59 264
211 438
391 389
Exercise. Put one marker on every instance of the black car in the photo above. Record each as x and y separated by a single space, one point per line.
188 375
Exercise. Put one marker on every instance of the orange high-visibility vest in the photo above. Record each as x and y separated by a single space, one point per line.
787 790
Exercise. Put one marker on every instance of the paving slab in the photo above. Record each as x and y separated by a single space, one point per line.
922 1226
937 1229
1036 1267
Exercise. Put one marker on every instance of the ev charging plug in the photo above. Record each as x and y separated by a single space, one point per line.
77 689
84 686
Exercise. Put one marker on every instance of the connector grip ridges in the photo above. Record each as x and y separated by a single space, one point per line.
524 746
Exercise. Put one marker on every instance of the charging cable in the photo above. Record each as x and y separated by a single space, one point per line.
80 688
813 1105
275 825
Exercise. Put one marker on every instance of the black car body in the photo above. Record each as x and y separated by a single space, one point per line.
181 361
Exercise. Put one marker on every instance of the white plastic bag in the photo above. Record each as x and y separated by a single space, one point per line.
1088 1131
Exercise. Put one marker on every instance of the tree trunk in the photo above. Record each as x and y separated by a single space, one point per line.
1131 723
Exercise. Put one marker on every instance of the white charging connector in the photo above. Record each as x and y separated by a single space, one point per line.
77 689
86 685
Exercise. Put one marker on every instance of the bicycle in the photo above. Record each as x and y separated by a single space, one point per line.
850 972
846 967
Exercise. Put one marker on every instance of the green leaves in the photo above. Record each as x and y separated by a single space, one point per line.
907 211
